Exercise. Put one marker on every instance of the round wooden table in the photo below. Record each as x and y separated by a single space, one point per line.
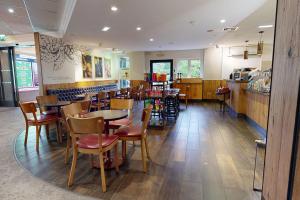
58 105
108 115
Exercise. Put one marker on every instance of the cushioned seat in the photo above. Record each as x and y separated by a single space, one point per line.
91 141
43 118
131 131
120 122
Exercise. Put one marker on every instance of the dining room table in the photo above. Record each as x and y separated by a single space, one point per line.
57 105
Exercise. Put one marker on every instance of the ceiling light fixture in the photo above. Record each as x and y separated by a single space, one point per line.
105 28
138 28
10 10
114 8
266 26
223 21
151 40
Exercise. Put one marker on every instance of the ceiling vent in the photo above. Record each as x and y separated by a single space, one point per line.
231 29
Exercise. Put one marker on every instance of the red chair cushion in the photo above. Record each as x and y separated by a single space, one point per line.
131 131
44 118
91 141
120 122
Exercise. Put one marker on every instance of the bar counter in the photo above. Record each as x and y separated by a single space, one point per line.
252 104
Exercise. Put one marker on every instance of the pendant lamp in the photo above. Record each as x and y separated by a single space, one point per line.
260 44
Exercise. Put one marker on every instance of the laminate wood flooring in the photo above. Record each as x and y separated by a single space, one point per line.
205 155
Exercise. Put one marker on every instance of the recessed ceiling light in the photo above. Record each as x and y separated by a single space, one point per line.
266 26
10 10
223 21
114 8
138 28
105 28
151 40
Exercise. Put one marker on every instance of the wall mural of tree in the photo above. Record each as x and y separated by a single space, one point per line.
56 51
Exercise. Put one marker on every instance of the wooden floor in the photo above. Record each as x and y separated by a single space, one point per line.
204 155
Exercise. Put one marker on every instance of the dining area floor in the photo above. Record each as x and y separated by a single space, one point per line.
205 155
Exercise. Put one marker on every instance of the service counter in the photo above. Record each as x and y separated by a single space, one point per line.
252 104
195 87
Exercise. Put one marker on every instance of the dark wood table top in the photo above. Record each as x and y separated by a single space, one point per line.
57 104
108 115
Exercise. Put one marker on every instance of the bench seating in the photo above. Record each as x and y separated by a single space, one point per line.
70 94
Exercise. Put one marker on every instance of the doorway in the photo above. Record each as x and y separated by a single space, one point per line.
8 94
162 67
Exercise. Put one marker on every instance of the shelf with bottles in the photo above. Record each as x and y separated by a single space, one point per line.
157 111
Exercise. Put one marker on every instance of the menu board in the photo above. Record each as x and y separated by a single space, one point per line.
24 74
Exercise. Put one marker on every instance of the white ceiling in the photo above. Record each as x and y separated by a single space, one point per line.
248 28
167 21
174 24
14 23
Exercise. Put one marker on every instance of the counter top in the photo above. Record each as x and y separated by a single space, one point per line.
236 81
258 92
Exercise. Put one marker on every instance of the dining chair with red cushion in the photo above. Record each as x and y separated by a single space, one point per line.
87 138
32 119
137 133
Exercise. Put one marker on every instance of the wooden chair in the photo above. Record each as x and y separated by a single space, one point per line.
123 93
70 111
185 96
101 101
87 138
85 105
32 119
41 100
121 104
137 132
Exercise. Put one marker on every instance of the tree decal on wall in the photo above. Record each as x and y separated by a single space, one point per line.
56 51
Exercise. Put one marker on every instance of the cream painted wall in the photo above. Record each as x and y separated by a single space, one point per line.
219 65
213 63
137 65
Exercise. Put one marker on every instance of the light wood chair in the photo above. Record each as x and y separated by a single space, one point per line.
121 104
70 111
101 101
124 93
137 133
41 100
87 138
32 119
85 105
185 96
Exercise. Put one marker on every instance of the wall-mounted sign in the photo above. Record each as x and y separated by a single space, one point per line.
24 74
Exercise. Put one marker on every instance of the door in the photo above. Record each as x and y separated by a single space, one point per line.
8 94
162 67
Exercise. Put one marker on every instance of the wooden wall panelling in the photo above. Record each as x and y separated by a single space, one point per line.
238 99
283 102
195 92
210 87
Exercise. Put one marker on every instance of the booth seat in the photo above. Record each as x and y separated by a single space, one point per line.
72 93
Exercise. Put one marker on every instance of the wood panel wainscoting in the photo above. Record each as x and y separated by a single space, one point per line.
81 84
195 90
136 83
210 87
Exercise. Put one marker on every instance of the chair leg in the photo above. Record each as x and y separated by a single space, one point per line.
116 158
58 132
73 167
67 149
147 148
123 149
26 134
186 102
102 172
37 144
47 131
143 156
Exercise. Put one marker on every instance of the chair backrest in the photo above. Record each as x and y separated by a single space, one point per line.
41 100
28 108
72 109
85 105
83 126
112 94
121 104
87 97
123 91
146 118
101 95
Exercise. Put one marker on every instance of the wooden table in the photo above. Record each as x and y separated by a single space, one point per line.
58 105
108 115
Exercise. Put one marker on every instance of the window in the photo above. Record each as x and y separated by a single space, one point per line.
124 72
189 68
26 72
